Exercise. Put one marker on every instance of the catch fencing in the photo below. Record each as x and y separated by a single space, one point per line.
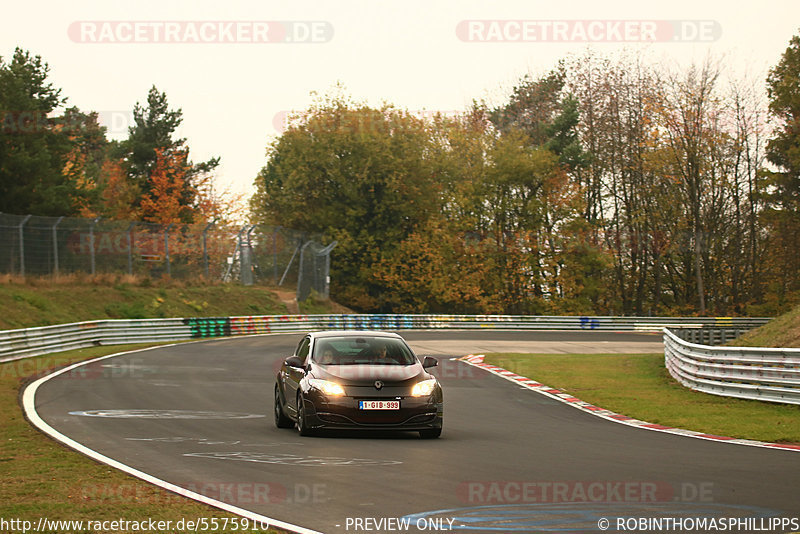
23 343
45 246
748 373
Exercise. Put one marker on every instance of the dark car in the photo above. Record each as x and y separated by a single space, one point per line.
357 380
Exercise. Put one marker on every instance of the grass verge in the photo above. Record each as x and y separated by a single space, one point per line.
42 478
783 331
68 299
638 385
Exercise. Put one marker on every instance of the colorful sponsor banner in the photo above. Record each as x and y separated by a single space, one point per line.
203 327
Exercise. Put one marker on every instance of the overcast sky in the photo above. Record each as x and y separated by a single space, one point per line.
235 68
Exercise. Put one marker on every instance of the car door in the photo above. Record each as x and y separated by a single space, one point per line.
295 374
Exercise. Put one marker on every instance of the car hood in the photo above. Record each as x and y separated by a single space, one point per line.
367 374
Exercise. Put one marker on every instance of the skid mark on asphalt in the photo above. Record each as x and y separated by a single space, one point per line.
209 441
165 414
291 459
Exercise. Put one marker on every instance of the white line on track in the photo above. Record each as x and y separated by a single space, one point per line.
29 408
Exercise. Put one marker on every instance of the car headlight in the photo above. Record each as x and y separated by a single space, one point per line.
421 389
328 388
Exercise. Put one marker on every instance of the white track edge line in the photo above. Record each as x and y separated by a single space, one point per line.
29 409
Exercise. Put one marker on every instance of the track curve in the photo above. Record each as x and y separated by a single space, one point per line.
198 417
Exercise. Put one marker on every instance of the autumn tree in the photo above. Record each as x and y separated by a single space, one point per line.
152 134
673 182
163 201
436 270
357 174
623 197
609 185
783 151
118 196
89 151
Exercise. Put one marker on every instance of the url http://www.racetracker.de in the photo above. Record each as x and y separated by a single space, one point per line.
699 524
199 524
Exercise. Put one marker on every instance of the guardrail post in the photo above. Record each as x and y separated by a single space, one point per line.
55 245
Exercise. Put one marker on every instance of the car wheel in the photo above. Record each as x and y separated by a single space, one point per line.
302 425
430 433
281 421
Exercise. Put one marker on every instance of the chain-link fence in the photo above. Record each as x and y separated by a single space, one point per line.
314 270
40 246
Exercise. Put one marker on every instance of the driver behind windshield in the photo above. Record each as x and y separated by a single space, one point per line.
326 357
382 355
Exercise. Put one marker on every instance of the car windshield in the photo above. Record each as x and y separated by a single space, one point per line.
362 350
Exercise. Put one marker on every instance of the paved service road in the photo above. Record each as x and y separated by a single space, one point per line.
198 415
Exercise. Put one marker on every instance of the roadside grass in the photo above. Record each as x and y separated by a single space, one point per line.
783 331
639 386
27 302
42 478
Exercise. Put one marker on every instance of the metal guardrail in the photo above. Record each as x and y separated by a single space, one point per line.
764 374
710 336
24 343
748 373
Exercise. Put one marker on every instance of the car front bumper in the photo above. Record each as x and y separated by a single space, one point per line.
415 413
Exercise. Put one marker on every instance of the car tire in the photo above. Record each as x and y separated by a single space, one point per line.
430 433
281 420
302 425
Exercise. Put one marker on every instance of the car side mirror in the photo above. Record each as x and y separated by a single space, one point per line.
429 362
294 361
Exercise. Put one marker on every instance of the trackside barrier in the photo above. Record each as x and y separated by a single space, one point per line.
748 373
27 342
709 336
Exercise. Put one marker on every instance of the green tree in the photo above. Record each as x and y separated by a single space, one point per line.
546 114
32 149
783 151
153 133
89 150
532 106
357 174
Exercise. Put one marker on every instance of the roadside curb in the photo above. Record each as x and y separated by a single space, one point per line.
477 360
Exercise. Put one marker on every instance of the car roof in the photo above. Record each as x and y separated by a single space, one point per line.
353 333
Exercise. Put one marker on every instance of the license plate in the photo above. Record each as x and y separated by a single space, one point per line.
378 405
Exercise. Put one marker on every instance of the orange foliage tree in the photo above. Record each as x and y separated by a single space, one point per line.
119 195
165 203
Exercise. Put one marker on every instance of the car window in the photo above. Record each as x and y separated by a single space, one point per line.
302 349
362 350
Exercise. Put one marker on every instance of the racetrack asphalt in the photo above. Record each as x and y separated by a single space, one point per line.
198 415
